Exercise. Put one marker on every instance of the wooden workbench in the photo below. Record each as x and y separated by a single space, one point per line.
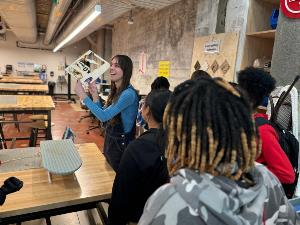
94 183
37 104
28 88
32 75
21 80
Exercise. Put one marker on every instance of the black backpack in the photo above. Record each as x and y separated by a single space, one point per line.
290 146
287 140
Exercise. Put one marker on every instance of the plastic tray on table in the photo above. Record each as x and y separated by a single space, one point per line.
60 157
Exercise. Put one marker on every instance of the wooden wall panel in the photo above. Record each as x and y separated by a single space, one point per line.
228 51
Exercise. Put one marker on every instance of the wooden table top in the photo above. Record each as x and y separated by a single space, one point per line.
94 182
26 102
23 87
31 75
21 80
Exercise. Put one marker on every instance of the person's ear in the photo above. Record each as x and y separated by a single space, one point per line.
147 110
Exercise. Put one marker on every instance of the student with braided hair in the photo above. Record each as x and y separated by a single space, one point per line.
211 150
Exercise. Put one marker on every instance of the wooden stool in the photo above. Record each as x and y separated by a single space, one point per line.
35 128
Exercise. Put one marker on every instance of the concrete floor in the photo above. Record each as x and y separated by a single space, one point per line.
65 114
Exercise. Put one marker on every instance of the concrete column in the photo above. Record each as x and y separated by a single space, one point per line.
105 46
286 52
236 21
206 19
108 44
100 42
220 26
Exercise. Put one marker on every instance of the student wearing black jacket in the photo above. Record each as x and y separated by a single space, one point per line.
143 167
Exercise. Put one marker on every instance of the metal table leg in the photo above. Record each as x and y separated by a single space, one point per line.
49 132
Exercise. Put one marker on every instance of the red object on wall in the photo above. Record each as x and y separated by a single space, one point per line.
290 8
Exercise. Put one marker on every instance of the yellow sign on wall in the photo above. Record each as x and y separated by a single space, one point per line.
164 69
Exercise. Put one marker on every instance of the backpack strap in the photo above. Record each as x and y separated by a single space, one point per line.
282 98
259 121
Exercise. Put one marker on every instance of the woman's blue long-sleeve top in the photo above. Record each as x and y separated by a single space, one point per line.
127 105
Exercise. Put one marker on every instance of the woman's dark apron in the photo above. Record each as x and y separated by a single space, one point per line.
115 143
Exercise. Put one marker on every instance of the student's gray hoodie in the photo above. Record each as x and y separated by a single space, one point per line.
191 198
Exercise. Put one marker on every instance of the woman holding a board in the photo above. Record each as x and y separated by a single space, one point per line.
120 110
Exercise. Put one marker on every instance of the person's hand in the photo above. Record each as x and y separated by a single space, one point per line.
79 90
93 91
11 185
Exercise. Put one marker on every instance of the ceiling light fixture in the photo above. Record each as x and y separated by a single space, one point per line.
130 19
87 21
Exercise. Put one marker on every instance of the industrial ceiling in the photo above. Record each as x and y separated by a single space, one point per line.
31 20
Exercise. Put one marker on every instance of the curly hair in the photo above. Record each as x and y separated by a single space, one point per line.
256 83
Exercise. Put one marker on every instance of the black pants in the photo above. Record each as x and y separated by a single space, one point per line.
115 143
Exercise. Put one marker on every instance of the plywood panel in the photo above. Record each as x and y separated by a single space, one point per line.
227 52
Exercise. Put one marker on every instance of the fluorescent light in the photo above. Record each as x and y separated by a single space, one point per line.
87 21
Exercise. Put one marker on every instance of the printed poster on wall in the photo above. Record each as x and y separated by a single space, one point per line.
164 69
25 67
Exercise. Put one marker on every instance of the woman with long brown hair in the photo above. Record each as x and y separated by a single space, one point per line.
119 111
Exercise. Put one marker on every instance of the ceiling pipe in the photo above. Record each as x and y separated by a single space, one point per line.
21 45
21 18
70 13
57 13
39 44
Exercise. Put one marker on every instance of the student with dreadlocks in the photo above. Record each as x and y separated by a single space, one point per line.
257 85
211 150
120 110
143 166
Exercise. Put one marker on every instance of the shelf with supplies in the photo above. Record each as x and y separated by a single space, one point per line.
260 35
